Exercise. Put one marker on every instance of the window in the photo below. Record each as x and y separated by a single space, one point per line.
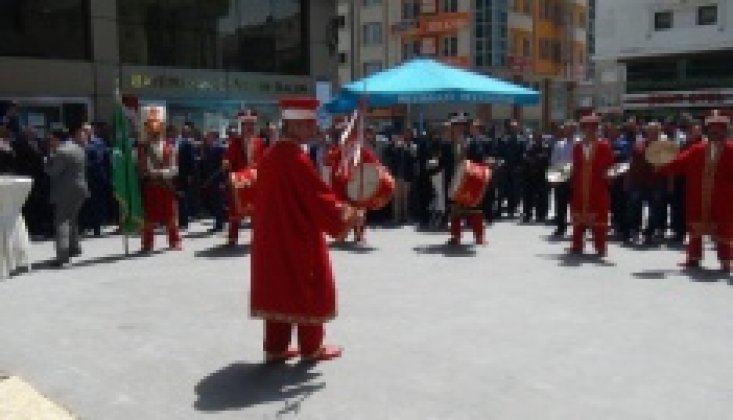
410 9
662 21
581 19
527 7
450 46
372 33
449 6
526 47
410 49
45 29
707 15
369 3
545 46
343 58
371 67
341 19
238 35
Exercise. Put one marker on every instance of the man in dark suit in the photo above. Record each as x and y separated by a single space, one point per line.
510 150
66 169
186 172
213 184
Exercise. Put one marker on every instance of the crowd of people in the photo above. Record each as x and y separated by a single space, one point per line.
647 206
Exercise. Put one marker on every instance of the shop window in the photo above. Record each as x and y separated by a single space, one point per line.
663 21
707 15
343 58
45 29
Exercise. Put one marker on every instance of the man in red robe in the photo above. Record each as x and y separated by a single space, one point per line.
590 202
291 280
708 169
158 168
243 151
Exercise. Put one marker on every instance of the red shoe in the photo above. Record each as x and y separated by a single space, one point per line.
575 251
326 352
178 246
453 241
274 357
480 241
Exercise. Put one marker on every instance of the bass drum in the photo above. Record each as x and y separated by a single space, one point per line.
370 186
469 183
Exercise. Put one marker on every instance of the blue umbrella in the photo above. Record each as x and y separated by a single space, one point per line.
423 81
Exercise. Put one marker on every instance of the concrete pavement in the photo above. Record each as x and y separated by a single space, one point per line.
513 330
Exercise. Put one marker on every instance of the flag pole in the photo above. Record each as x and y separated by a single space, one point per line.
125 233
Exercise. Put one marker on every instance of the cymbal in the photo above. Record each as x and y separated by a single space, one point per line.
660 153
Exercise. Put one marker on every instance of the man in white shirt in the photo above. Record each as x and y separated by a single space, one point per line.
562 159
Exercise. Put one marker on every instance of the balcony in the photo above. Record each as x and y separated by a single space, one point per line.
520 21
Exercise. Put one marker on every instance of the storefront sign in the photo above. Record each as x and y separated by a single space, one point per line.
703 98
444 22
207 84
405 27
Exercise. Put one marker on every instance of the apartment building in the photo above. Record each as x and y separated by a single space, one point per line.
659 58
540 43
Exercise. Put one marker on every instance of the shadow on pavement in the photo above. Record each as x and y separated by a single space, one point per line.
106 259
241 385
578 260
447 250
199 234
697 275
351 247
224 251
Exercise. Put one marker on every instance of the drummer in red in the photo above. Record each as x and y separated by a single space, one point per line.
243 151
590 202
463 147
292 282
708 170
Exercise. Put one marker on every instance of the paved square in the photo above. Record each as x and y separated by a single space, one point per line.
513 330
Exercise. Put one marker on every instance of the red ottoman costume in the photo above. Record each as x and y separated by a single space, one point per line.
158 167
292 282
590 203
708 169
242 152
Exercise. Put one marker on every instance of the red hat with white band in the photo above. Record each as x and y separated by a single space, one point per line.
247 115
717 118
299 108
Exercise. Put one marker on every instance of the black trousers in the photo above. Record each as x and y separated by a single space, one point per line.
562 202
536 198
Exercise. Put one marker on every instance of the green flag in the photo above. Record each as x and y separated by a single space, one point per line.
125 178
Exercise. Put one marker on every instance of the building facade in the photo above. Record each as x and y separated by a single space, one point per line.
662 58
65 62
540 43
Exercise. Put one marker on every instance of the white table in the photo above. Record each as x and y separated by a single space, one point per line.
14 241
